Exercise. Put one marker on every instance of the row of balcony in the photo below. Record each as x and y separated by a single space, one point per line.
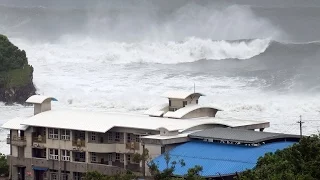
39 142
115 168
94 158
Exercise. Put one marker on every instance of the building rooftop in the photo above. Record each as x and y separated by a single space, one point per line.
216 158
187 109
102 122
158 110
180 94
240 135
38 99
15 124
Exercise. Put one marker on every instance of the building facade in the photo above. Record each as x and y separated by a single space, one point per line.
61 145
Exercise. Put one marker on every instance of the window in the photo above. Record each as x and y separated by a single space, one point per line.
110 138
109 157
53 133
93 136
44 132
65 155
117 137
77 175
169 102
121 158
137 138
128 137
54 154
54 176
197 101
184 103
82 135
117 156
101 140
82 155
93 157
64 176
65 134
44 153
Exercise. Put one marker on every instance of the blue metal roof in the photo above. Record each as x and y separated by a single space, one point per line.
217 158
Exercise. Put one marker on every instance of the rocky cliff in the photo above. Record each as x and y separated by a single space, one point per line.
16 75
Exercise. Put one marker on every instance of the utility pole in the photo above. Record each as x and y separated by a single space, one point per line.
300 122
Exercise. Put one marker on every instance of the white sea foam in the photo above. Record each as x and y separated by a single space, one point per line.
132 92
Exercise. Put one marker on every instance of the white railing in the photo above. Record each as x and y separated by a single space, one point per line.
65 158
53 136
65 137
54 157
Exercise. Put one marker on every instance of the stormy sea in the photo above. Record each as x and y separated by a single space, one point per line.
255 59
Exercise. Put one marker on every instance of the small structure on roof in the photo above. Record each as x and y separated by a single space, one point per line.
182 105
182 95
41 103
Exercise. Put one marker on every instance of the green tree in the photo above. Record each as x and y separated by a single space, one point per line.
194 173
299 162
167 173
94 175
16 75
11 57
4 167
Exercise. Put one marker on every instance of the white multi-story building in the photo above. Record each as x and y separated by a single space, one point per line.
65 144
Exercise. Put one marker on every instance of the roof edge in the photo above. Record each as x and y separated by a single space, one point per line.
38 99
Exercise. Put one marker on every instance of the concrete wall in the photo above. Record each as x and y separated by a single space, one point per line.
178 103
14 148
154 150
45 106
28 149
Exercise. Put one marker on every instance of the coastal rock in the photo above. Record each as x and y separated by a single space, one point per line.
16 75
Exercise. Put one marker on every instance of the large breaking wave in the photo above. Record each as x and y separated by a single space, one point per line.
190 50
187 51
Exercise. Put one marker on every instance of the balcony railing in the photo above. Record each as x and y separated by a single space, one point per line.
79 143
133 145
16 140
39 139
53 157
79 160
